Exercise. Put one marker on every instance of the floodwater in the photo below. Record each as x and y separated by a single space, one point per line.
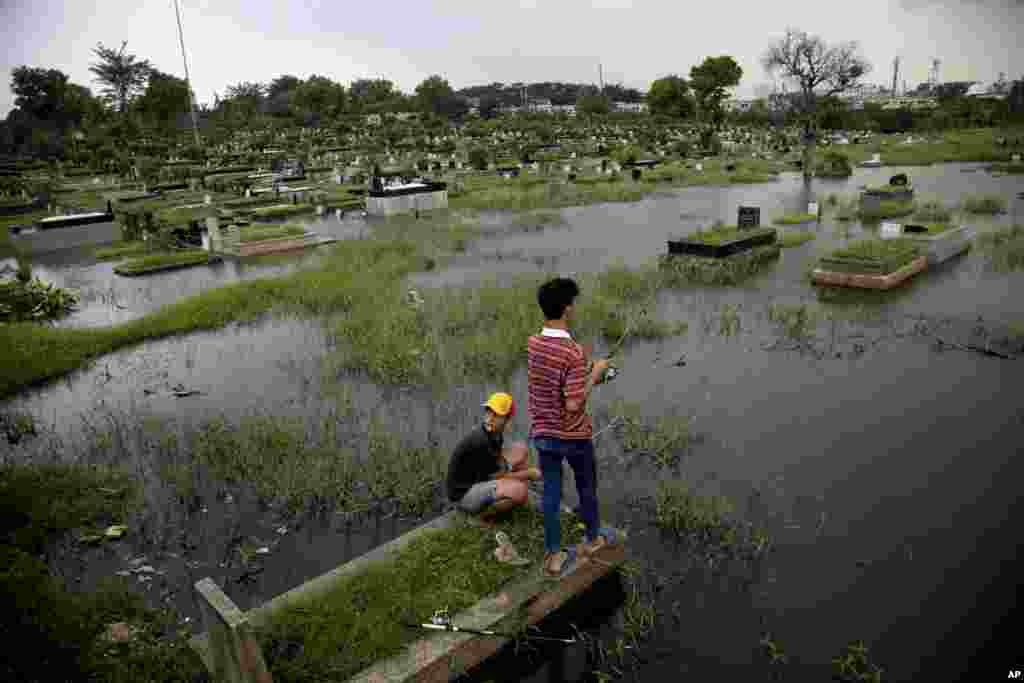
885 469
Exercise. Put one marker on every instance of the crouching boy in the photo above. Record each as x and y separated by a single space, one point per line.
483 478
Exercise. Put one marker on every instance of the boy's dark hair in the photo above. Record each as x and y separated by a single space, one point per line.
554 295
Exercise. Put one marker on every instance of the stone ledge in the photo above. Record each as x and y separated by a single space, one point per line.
868 281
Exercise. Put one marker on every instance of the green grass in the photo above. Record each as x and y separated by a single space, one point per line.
893 253
157 262
717 234
120 250
795 219
33 353
285 231
889 189
1004 247
933 212
664 439
1012 168
788 240
887 209
955 146
451 568
34 300
709 523
937 228
281 211
682 270
985 204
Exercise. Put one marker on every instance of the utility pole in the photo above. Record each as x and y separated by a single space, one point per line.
188 83
600 76
895 73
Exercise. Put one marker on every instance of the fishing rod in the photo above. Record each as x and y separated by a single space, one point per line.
442 622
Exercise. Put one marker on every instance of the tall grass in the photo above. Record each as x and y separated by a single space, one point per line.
933 212
682 270
1004 247
157 262
451 568
985 204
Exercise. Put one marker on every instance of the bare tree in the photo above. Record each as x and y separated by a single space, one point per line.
819 71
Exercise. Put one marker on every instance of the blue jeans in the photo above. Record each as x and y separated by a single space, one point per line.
580 454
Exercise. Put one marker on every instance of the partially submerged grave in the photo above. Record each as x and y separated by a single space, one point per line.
871 264
241 646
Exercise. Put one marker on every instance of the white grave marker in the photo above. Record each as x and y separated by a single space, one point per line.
207 199
1015 158
812 208
700 167
891 230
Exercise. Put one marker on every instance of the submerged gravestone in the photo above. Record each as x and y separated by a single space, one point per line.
899 180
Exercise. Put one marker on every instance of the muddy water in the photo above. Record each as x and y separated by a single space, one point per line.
886 473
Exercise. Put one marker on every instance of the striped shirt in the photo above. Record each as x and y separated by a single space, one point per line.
556 372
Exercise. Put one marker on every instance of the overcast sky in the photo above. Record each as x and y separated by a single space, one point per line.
472 42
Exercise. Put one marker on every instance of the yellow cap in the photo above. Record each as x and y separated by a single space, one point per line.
502 404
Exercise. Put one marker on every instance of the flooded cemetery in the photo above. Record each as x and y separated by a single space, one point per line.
234 375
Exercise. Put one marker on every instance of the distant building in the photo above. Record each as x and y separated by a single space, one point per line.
992 91
738 105
633 107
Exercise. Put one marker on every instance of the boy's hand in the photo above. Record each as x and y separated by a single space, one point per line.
535 474
599 367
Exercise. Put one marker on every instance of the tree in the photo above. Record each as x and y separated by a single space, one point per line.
165 98
123 76
319 96
279 94
372 95
820 71
245 99
488 106
710 82
435 96
593 104
670 96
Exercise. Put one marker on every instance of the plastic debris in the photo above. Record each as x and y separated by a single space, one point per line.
116 531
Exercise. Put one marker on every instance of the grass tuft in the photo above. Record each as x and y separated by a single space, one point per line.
985 204
794 239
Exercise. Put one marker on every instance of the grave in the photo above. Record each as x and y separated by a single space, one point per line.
230 651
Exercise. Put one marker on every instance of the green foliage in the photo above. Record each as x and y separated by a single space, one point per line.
670 96
273 232
890 254
120 250
852 665
1004 247
795 219
886 209
796 322
282 211
710 82
986 204
731 270
478 158
834 165
794 239
366 611
157 262
664 439
34 300
122 75
933 212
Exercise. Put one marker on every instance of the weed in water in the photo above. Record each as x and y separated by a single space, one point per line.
853 665
984 204
664 439
933 212
707 523
795 219
788 240
886 209
795 322
1004 247
685 269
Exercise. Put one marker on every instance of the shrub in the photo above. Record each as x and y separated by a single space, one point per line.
934 212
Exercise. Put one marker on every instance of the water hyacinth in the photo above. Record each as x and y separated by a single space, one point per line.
34 300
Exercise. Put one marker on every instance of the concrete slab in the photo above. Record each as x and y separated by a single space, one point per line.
431 658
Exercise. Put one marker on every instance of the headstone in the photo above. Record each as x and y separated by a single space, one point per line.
890 230
899 179
207 199
248 192
812 208
700 167
748 217
1015 158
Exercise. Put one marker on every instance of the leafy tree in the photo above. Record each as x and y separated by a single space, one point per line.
488 106
435 96
478 158
710 82
279 94
670 96
122 75
819 71
593 104
320 97
372 95
245 100
165 98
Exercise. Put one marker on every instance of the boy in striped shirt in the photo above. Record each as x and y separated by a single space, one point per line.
560 378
